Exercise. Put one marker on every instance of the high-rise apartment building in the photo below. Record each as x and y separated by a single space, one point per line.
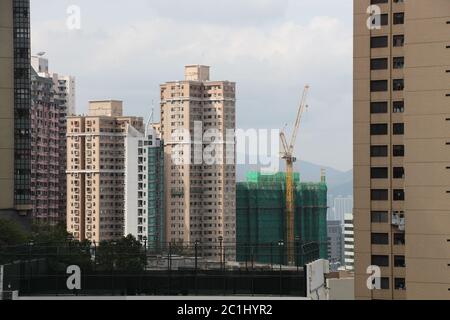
200 194
335 242
144 187
96 170
15 93
52 98
401 188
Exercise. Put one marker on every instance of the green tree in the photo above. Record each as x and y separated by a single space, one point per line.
11 233
126 255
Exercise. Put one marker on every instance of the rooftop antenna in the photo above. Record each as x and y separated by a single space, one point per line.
150 119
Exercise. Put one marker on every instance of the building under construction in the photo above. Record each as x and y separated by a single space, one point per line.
261 219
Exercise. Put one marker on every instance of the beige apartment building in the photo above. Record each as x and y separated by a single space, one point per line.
200 196
402 148
95 171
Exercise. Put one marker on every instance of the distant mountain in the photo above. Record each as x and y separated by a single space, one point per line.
339 182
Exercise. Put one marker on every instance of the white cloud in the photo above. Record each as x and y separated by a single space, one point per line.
268 52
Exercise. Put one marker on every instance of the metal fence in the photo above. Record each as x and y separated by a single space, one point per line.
172 270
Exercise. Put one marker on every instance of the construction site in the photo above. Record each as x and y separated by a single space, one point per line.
261 220
280 219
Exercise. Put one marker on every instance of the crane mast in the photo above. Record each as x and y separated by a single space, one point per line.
288 156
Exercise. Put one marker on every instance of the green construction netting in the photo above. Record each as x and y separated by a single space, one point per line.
260 214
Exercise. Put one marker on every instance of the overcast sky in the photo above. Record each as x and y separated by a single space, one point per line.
271 48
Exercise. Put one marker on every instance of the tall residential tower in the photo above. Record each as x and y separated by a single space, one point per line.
96 171
200 195
401 147
15 102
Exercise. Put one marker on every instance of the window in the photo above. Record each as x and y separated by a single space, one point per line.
400 284
399 239
398 128
379 195
399 195
379 217
399 18
378 107
380 238
379 151
398 106
379 129
398 40
399 262
398 84
381 261
398 151
379 64
379 42
378 85
379 173
399 173
398 62
384 283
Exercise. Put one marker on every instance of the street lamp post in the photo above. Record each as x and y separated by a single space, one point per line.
196 254
281 245
30 264
297 242
145 251
95 255
221 252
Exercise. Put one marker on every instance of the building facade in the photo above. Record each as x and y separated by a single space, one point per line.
45 152
49 110
200 195
15 105
144 188
96 170
401 92
261 212
335 241
349 243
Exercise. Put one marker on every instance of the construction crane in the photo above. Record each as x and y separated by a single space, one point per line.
287 154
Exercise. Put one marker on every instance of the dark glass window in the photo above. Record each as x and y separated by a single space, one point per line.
385 283
399 262
398 128
399 18
378 85
379 64
398 84
380 238
378 107
398 62
399 195
379 217
379 195
381 261
379 173
399 239
379 42
379 129
400 284
399 173
398 151
379 151
398 40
